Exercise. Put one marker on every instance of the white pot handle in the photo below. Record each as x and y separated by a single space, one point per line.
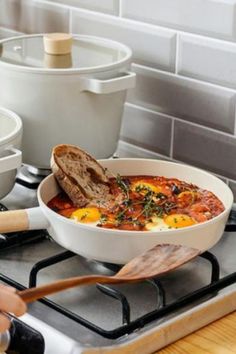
122 82
10 162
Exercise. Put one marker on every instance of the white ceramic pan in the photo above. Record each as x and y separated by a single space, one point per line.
118 246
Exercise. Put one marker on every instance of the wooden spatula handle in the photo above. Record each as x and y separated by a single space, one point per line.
33 294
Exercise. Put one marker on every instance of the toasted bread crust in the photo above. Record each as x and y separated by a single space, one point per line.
82 178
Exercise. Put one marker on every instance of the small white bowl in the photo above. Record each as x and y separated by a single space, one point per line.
10 141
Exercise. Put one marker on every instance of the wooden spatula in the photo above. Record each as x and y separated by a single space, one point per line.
156 261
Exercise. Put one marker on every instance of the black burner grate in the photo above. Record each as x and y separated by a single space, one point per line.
127 325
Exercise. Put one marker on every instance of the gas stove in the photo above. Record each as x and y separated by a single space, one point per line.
138 318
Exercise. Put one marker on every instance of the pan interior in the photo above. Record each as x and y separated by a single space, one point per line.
49 187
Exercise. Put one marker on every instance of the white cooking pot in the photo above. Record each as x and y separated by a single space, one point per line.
74 98
120 246
10 156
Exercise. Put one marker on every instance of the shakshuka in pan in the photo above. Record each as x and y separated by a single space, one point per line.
143 203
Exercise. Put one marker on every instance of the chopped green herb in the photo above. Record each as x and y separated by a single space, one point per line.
160 196
141 188
123 186
103 218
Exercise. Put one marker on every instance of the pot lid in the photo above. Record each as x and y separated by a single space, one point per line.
62 52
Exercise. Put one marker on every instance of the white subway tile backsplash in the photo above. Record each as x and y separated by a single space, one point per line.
146 129
151 45
208 17
129 150
188 99
106 6
232 186
207 59
33 16
183 106
213 151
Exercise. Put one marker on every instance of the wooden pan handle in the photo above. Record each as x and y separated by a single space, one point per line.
14 220
22 220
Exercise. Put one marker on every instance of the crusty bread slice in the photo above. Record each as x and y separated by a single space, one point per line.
82 178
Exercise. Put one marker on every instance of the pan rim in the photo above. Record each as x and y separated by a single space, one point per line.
89 227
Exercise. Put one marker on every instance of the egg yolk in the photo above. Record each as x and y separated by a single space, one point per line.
143 187
187 197
86 215
179 220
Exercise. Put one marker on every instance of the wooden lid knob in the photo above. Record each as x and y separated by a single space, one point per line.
57 43
57 61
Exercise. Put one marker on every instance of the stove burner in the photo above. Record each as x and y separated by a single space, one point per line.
37 171
30 177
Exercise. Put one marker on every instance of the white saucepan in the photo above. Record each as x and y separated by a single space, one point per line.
10 155
72 90
118 246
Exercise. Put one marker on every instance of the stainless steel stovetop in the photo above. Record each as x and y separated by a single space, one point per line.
92 304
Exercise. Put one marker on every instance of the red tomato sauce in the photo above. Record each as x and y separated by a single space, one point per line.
141 202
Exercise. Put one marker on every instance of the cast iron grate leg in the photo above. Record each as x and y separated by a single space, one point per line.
46 263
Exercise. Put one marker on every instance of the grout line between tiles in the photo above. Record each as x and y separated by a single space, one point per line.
179 119
120 8
155 154
70 21
98 14
141 149
53 4
170 74
132 105
172 138
235 119
151 25
177 54
229 180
